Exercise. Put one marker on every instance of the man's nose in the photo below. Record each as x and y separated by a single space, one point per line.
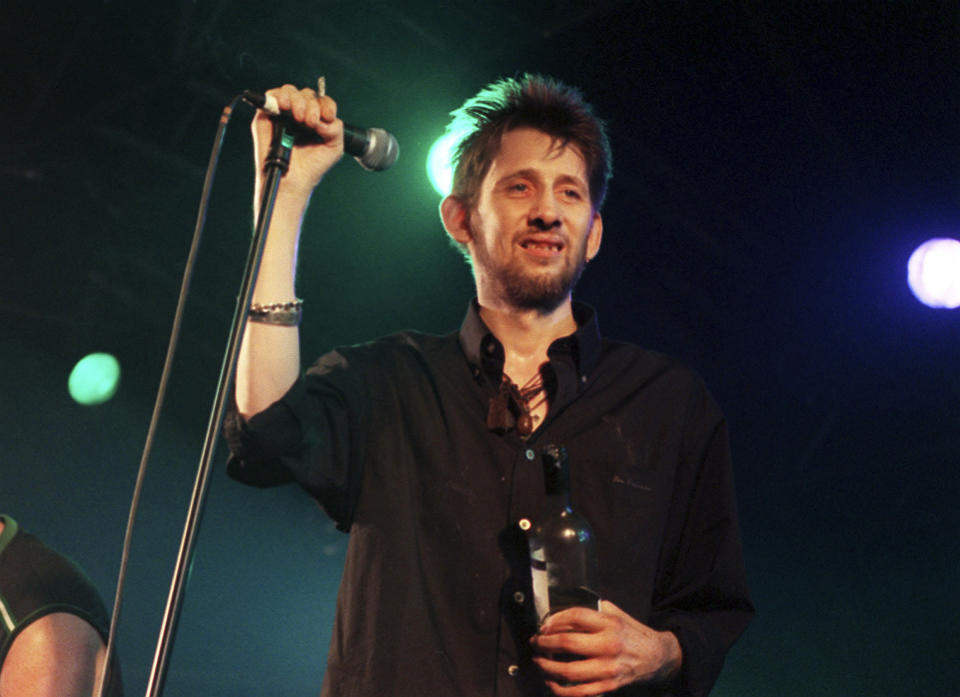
545 211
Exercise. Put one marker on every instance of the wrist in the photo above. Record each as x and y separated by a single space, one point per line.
671 656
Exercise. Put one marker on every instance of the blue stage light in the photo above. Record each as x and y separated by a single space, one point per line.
94 379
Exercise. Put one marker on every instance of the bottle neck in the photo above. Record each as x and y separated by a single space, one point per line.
558 501
556 478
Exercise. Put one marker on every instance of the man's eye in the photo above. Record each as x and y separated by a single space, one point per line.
572 193
518 186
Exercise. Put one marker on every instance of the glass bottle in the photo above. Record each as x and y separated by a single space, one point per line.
563 558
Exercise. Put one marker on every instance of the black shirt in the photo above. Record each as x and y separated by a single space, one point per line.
391 438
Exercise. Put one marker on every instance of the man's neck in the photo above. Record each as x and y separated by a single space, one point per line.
526 335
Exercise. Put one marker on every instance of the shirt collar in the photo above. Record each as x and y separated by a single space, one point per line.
485 352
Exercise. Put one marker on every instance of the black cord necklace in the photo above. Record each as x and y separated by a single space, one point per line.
513 406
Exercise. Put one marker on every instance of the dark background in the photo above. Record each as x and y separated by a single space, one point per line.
776 163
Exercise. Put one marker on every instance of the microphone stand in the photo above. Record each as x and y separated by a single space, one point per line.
277 164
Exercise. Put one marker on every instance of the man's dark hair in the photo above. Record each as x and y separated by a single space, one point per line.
530 101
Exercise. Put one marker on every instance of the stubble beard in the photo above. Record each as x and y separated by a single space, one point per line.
542 291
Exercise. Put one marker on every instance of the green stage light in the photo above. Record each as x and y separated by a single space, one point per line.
438 163
94 379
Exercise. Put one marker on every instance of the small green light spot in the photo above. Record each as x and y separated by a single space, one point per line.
94 379
438 163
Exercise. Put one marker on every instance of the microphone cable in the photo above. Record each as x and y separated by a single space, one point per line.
191 264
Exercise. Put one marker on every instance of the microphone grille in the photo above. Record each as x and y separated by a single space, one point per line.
382 152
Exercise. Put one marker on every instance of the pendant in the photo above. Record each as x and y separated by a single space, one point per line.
524 424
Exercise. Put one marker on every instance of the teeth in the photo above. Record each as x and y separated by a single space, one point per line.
541 245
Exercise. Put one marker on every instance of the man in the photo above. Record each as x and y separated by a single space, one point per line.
53 625
425 448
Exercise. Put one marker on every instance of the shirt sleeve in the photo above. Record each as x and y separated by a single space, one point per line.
311 436
702 594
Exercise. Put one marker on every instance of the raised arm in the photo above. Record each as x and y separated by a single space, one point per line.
269 360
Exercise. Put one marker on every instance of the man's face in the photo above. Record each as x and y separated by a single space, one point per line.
533 227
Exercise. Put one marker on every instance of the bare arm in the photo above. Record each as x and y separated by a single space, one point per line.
59 655
269 360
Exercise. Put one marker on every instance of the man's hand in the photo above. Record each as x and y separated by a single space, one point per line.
310 161
617 650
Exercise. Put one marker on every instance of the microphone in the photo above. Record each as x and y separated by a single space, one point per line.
374 148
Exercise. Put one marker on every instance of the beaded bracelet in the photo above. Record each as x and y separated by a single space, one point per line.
284 314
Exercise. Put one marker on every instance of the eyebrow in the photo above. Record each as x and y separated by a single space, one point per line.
531 173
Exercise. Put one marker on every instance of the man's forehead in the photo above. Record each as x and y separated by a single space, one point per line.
520 147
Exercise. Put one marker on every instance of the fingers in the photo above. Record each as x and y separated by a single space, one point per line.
312 158
306 106
594 638
580 678
602 643
576 619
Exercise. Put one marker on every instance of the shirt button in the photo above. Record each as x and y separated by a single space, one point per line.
513 670
524 524
530 454
490 347
519 597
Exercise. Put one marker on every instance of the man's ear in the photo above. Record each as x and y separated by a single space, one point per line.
455 219
594 236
